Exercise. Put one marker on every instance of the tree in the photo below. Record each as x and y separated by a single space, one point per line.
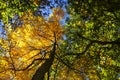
31 46
8 9
91 46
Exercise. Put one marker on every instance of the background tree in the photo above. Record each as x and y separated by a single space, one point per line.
91 45
9 8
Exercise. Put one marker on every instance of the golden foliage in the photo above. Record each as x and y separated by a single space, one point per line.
57 14
28 41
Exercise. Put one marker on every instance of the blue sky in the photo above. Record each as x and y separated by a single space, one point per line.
46 9
2 31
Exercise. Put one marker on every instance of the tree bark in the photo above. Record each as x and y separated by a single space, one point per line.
40 72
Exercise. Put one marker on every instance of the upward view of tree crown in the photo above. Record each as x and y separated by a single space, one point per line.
59 40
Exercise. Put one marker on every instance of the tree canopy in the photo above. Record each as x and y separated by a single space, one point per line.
87 47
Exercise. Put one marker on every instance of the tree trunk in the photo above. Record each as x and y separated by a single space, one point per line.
39 74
